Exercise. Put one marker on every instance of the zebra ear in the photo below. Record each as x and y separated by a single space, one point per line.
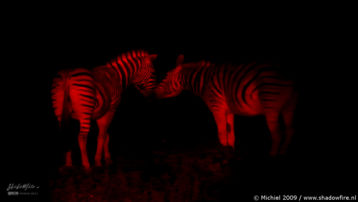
153 56
180 59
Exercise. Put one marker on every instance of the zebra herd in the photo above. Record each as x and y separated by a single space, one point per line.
247 89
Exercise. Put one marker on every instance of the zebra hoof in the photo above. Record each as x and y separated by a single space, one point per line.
273 153
226 151
282 153
108 162
87 170
98 164
65 169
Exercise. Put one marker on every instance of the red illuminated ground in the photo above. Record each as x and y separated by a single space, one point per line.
177 176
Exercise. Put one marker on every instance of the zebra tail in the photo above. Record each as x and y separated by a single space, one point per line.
66 103
66 112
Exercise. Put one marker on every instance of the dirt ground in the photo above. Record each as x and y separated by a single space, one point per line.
207 173
160 176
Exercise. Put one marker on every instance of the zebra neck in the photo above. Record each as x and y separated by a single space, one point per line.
125 70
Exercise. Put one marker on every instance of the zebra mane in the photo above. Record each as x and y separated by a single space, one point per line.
133 54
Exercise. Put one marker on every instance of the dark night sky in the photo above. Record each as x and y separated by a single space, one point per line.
32 147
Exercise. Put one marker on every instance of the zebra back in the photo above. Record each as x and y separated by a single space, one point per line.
235 85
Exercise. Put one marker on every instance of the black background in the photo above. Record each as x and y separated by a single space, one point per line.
322 156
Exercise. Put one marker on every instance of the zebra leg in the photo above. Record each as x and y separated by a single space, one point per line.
289 131
221 124
107 155
68 155
103 124
272 120
82 141
230 129
69 158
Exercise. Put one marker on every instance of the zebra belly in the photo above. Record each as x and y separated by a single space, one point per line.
251 106
246 110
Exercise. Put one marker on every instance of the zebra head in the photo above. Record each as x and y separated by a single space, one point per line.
145 80
171 85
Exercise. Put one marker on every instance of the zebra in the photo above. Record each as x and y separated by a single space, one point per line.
95 94
247 89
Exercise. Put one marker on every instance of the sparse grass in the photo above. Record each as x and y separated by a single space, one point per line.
181 176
